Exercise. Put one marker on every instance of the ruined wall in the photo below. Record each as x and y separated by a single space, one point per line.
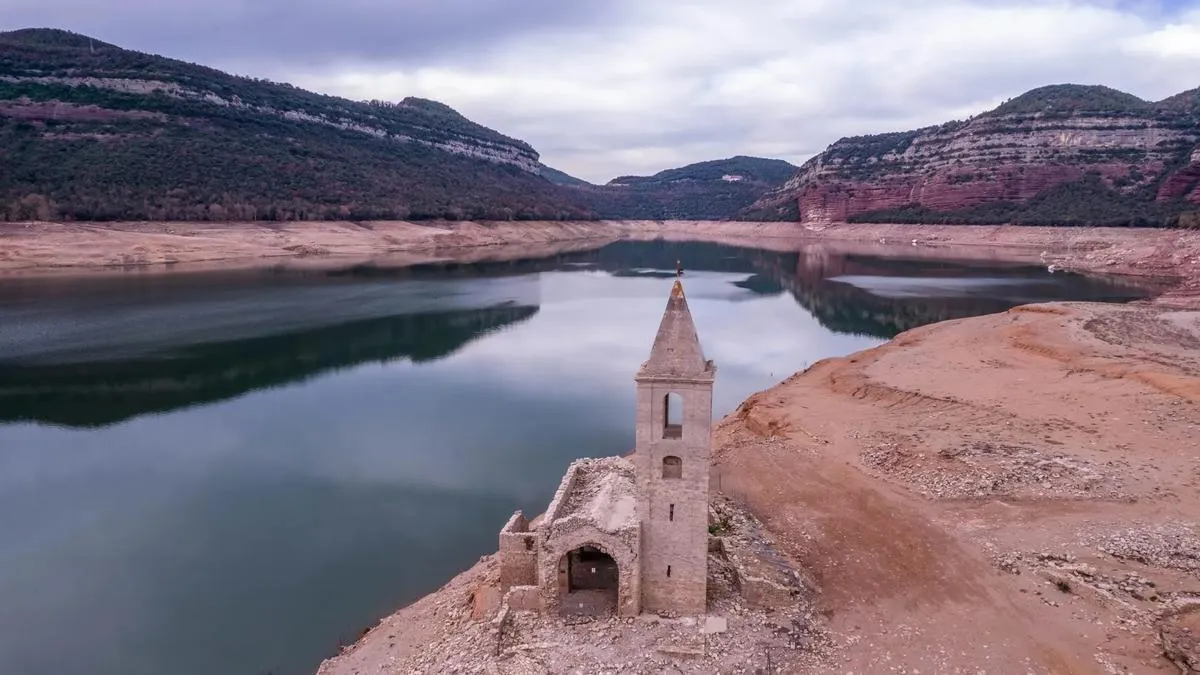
559 501
518 553
524 599
674 511
566 535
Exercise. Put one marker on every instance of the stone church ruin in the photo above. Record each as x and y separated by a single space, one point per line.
629 535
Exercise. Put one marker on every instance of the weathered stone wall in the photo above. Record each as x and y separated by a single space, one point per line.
674 511
518 553
559 501
524 599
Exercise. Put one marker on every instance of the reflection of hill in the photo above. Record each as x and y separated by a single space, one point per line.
618 257
104 392
661 254
841 307
132 373
845 309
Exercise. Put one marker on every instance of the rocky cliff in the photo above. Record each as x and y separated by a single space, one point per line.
1063 154
91 131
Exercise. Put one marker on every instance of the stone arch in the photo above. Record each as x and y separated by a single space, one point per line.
589 582
626 569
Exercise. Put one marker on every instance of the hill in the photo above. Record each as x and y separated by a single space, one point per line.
713 190
560 178
91 131
1057 155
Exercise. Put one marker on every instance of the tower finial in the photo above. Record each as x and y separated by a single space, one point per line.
676 351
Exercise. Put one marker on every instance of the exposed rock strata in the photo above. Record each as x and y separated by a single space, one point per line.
513 152
1042 140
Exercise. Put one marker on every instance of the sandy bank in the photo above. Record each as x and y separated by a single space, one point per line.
79 247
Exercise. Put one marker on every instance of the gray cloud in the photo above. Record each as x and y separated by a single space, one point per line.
609 87
310 33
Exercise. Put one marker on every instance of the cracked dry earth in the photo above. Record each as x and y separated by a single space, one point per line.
1014 493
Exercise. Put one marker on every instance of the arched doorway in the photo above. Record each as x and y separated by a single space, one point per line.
589 581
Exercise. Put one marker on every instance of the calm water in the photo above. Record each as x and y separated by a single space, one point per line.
232 473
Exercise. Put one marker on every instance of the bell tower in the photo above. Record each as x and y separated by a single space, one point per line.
672 458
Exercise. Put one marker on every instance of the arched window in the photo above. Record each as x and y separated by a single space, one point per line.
672 416
672 467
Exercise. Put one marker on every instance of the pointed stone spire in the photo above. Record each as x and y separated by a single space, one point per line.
676 351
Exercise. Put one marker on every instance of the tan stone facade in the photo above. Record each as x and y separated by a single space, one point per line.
627 536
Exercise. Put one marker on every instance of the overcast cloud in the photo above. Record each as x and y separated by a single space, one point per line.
609 87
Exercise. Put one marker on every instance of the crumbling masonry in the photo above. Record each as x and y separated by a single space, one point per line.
627 536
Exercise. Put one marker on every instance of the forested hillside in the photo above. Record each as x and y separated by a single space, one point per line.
90 131
713 190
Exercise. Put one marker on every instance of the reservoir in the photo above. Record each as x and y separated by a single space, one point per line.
235 472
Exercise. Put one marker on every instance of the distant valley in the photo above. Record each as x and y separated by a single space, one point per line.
714 190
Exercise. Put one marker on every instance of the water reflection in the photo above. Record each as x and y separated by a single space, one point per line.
95 354
93 393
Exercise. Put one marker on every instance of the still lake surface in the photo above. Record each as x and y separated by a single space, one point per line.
235 472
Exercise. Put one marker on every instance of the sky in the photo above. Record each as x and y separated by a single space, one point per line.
603 88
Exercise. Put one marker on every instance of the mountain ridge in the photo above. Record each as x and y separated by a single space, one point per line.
715 189
93 131
1055 155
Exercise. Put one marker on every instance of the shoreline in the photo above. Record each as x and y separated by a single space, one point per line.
1164 262
85 248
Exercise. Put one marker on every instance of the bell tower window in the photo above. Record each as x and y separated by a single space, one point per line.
672 467
672 416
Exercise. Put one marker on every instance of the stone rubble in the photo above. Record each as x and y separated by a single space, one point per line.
747 628
1155 600
985 469
1171 545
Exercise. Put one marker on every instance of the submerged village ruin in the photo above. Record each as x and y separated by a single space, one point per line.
627 536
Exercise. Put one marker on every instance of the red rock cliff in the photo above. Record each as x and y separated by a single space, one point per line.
1039 141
